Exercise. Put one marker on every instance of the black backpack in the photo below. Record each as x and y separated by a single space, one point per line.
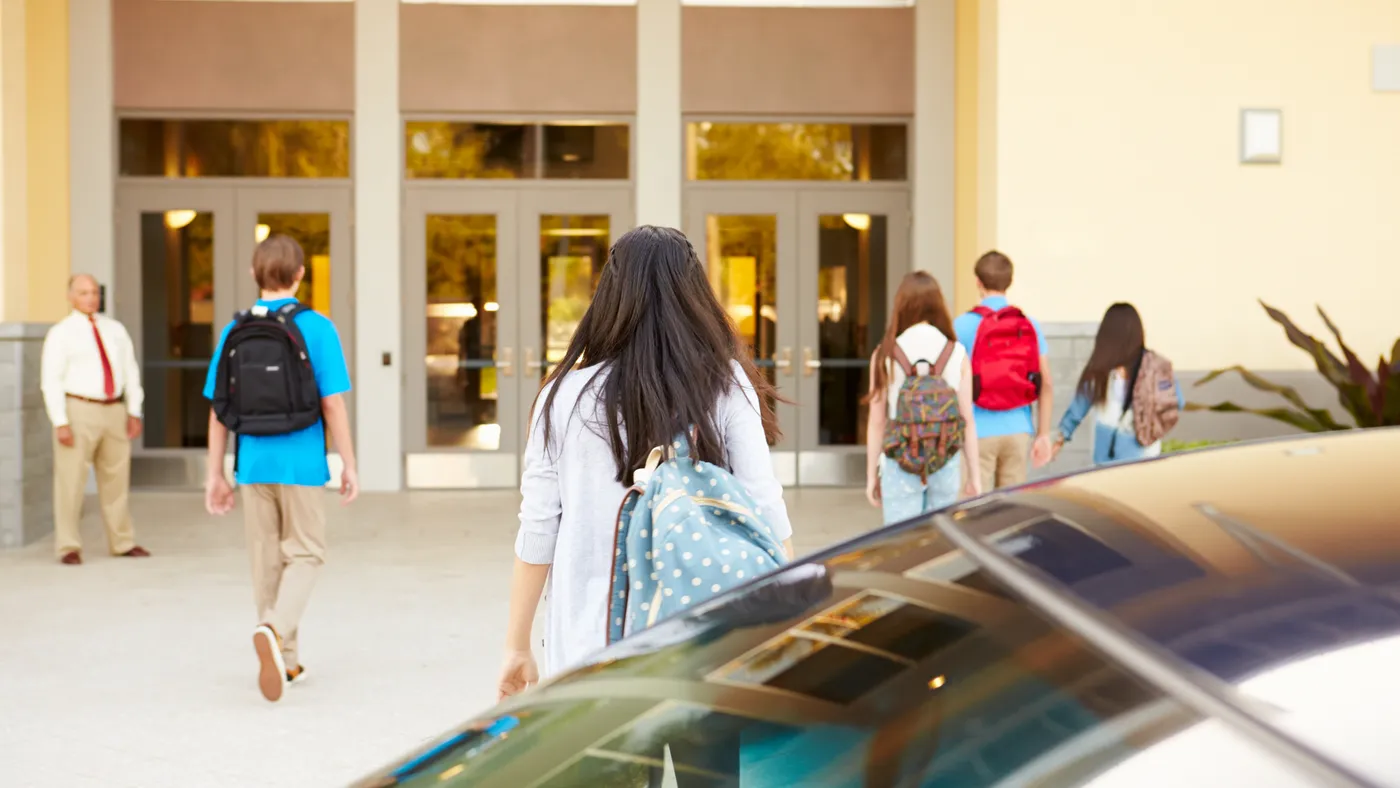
264 384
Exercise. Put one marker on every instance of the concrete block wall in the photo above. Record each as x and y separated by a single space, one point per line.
26 439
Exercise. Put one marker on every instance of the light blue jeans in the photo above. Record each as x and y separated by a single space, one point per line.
905 496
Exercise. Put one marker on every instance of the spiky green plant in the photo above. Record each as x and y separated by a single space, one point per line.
1372 398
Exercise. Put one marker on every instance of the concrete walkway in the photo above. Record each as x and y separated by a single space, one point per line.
128 673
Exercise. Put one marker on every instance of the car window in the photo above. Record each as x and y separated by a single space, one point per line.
874 690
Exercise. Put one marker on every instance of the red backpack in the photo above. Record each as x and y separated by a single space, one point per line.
1005 360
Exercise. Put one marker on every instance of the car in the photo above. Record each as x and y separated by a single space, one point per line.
1223 617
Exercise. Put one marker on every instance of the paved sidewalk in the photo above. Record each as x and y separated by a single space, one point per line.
139 673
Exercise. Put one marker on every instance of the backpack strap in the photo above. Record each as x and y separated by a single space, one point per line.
899 357
943 358
984 311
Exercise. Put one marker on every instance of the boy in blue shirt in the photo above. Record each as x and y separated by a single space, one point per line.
1004 437
283 477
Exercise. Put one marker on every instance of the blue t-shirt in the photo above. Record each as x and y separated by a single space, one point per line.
297 458
996 423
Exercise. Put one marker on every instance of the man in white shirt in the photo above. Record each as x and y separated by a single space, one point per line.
92 390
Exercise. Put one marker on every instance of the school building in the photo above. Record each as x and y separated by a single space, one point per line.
457 171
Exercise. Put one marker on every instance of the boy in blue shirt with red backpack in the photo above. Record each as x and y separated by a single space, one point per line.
1010 374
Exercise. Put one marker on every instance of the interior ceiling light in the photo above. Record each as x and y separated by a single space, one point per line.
179 218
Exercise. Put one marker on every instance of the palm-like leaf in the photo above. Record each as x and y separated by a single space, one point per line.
1372 399
1290 416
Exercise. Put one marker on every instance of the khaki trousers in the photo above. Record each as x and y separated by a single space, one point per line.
99 442
1004 460
286 528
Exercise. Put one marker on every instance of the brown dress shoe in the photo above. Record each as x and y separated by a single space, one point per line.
137 552
72 558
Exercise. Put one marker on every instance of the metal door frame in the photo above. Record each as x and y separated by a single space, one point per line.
782 204
517 209
819 465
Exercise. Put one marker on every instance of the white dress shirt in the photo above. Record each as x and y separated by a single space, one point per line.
73 365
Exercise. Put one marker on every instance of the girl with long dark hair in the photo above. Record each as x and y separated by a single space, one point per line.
1105 387
655 356
922 328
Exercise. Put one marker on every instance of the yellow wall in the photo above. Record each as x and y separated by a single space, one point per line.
965 95
46 55
1116 174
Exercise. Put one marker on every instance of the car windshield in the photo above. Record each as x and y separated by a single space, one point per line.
896 663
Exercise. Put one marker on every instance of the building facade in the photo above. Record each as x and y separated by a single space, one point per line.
456 173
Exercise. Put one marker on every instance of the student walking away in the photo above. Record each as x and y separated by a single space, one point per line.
1011 386
655 378
92 392
277 381
1132 391
921 436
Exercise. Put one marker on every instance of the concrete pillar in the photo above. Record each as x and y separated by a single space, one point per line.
933 139
377 170
92 142
659 133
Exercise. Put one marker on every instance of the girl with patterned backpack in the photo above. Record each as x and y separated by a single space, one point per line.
921 441
655 378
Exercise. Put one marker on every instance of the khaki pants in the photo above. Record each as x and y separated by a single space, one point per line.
99 442
286 528
1004 460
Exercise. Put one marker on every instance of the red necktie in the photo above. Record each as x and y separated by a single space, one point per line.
109 385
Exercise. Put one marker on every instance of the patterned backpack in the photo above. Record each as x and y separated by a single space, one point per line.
1152 399
686 530
927 428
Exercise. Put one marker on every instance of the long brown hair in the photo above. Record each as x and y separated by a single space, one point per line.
919 299
672 348
1119 344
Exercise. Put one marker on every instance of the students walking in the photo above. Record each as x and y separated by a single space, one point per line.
278 380
656 357
920 388
1012 393
1132 392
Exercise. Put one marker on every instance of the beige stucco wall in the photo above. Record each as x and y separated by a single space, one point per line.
1116 145
800 61
233 56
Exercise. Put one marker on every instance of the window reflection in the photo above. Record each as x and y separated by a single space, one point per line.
586 150
313 232
177 325
573 250
851 275
461 332
441 149
796 152
742 262
235 148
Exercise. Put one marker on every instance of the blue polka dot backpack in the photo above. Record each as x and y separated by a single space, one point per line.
686 530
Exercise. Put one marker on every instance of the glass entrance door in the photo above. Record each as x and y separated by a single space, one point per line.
748 243
183 259
808 276
505 277
854 249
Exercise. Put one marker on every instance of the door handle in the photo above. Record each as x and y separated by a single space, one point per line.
783 361
809 362
504 363
532 363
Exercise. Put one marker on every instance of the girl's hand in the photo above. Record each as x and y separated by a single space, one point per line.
518 674
973 486
872 491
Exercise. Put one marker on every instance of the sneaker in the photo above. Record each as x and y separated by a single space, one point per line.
272 671
296 675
